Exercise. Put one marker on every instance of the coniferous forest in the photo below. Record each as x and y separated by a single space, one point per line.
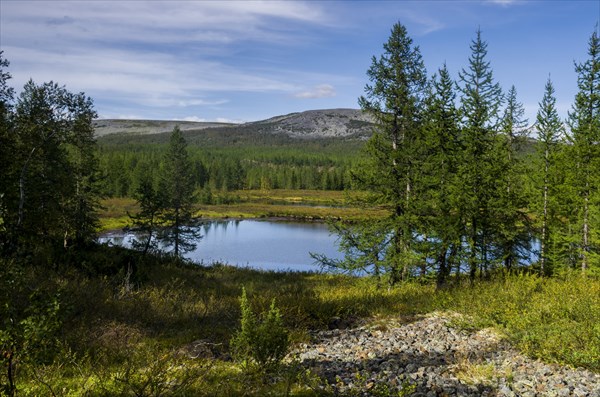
482 213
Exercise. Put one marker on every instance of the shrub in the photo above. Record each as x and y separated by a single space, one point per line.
262 341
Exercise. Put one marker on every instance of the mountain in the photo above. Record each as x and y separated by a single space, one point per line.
311 124
327 123
104 127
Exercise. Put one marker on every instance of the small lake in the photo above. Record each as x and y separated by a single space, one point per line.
264 244
260 244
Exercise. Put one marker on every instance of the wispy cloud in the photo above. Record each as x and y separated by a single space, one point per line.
157 54
320 91
504 3
426 22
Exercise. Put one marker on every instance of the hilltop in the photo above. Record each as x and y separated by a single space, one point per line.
311 124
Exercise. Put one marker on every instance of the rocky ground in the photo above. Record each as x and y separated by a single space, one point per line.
427 356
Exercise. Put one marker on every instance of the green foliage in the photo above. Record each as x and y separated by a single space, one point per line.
547 178
148 372
29 325
580 194
145 221
262 341
554 319
394 97
50 191
295 164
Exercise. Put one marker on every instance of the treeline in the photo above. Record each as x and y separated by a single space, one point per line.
49 173
445 161
304 165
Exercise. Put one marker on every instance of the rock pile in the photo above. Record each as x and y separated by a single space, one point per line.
429 357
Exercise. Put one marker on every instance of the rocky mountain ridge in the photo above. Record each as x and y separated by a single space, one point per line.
311 124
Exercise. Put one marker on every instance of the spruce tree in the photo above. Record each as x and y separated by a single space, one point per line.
394 98
512 225
550 130
177 191
481 99
147 220
440 165
584 153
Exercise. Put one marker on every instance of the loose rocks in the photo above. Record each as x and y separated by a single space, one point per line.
428 357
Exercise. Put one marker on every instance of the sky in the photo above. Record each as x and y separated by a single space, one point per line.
243 61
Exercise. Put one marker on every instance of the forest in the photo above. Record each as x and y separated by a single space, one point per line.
483 213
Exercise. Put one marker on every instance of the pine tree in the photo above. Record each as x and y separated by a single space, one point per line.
549 132
480 103
584 151
177 190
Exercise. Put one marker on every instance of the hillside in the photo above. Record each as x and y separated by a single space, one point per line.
326 123
105 127
311 124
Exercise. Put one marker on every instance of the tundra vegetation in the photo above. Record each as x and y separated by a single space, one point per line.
456 182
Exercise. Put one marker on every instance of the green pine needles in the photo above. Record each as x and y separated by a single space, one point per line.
262 341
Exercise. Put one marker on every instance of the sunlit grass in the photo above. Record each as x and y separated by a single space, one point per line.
293 204
142 322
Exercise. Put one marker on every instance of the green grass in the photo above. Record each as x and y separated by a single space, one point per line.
293 204
554 319
120 331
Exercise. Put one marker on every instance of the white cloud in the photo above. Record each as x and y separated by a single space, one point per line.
504 3
426 23
157 54
320 91
193 118
125 117
152 21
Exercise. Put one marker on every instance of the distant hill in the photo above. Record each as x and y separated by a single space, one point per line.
327 123
311 124
144 127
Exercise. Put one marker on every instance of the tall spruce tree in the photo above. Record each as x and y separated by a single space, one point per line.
389 168
146 220
550 130
512 225
584 153
177 194
439 168
481 99
394 98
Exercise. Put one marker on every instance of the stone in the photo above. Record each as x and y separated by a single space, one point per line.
429 353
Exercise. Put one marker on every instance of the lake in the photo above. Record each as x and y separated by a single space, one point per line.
264 244
261 244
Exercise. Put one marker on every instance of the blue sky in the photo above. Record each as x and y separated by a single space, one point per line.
245 61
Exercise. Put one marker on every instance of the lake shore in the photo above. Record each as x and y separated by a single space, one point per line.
301 205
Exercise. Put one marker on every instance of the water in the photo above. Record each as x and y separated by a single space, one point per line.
261 244
268 244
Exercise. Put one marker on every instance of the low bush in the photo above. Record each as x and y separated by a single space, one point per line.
261 341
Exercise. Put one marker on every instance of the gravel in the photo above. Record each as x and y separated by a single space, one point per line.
427 356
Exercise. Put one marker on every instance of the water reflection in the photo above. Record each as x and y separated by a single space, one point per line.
267 245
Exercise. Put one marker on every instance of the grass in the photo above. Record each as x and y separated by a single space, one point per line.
124 333
293 204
